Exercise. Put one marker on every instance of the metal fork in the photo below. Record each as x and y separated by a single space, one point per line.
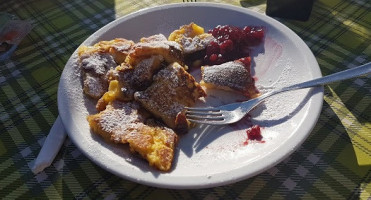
228 114
189 0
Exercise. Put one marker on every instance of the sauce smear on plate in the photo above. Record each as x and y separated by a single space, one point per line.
254 133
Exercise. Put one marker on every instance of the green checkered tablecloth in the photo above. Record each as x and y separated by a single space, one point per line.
334 162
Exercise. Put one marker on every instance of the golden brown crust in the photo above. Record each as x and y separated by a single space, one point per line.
181 122
156 143
119 48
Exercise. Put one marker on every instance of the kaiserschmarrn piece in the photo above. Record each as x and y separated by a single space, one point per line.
169 50
154 142
117 120
172 89
94 67
97 60
126 123
191 37
232 76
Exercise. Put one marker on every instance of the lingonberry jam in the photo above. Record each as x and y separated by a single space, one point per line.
231 43
254 133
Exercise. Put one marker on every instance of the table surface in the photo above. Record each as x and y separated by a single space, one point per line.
334 162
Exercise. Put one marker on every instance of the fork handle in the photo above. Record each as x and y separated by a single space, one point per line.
343 75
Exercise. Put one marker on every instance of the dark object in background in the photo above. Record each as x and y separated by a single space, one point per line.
290 9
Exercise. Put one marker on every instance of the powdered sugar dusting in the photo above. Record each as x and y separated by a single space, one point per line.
94 86
120 118
94 67
275 111
154 38
144 71
197 43
159 97
158 45
231 74
123 46
98 63
171 74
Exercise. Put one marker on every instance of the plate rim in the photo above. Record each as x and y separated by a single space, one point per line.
189 182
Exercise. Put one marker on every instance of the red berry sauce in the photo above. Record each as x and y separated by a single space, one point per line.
254 133
232 43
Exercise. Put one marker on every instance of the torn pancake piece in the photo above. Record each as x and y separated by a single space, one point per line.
94 68
95 62
194 41
126 122
154 142
172 89
232 76
191 37
170 50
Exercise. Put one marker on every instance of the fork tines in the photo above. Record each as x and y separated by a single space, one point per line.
203 114
189 0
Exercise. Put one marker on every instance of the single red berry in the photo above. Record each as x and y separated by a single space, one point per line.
213 58
258 34
247 29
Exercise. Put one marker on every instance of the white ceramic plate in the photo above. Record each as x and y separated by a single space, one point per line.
207 156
